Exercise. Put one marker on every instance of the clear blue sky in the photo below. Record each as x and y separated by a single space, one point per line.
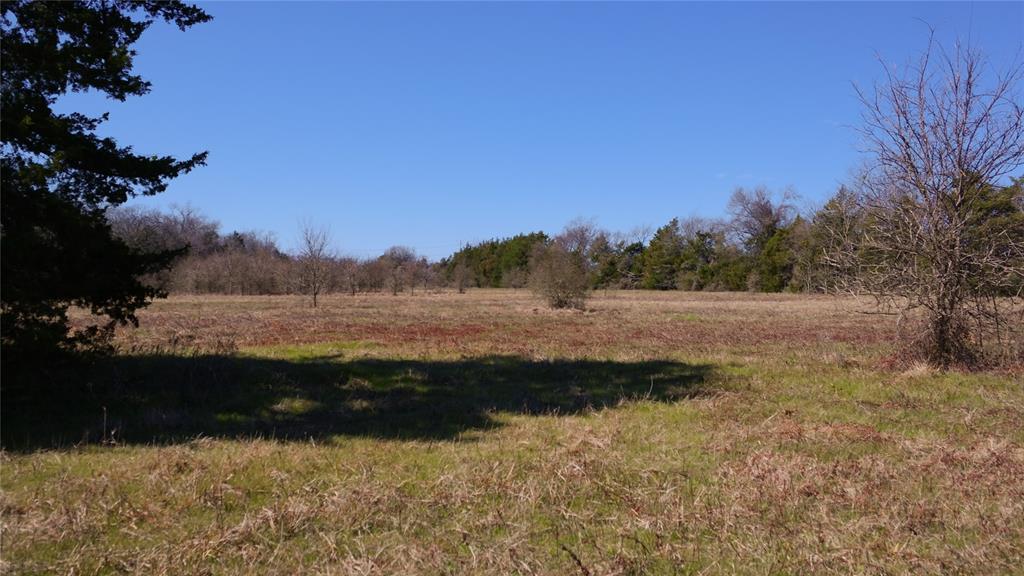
429 125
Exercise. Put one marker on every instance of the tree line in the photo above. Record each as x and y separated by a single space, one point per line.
250 263
764 245
932 227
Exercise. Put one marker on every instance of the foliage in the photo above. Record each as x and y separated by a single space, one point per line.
775 262
233 263
59 177
662 257
756 215
489 262
695 260
940 240
401 264
829 231
691 254
559 275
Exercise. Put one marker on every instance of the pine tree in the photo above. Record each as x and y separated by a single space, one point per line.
662 258
59 177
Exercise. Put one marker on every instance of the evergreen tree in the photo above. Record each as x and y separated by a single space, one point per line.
489 262
995 223
663 257
59 177
729 268
832 230
695 263
775 262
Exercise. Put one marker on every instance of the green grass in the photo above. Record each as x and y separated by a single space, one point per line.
472 454
309 352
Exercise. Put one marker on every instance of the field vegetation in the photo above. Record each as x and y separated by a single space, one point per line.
785 389
652 432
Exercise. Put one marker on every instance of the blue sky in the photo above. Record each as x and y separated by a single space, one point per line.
430 125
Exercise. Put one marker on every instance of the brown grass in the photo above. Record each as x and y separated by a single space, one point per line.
507 321
802 457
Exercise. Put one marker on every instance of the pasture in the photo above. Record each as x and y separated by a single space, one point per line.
654 432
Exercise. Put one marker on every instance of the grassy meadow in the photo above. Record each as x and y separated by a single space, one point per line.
661 433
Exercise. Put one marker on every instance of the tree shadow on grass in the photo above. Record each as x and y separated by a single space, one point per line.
167 398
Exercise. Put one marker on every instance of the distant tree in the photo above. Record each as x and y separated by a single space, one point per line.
185 230
184 225
144 230
695 260
315 260
559 276
756 215
663 257
559 271
59 177
629 260
346 275
415 273
489 261
373 274
760 222
515 278
399 261
832 230
431 275
147 232
939 238
604 256
775 262
731 267
579 237
237 263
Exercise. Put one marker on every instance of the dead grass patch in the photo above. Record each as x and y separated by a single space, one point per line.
484 434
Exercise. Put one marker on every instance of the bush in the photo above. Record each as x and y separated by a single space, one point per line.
559 276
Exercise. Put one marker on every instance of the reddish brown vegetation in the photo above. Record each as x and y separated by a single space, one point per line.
502 321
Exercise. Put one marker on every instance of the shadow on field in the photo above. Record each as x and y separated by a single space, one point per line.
166 398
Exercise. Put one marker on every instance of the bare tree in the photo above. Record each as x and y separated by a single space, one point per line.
399 260
938 239
346 275
831 244
414 271
431 273
372 275
560 271
315 259
757 214
418 272
559 276
638 234
578 236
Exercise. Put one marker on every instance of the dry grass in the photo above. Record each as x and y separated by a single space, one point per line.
484 322
799 454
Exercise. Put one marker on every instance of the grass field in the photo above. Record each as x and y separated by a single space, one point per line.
484 433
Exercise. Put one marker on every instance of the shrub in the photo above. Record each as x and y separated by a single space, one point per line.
560 276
